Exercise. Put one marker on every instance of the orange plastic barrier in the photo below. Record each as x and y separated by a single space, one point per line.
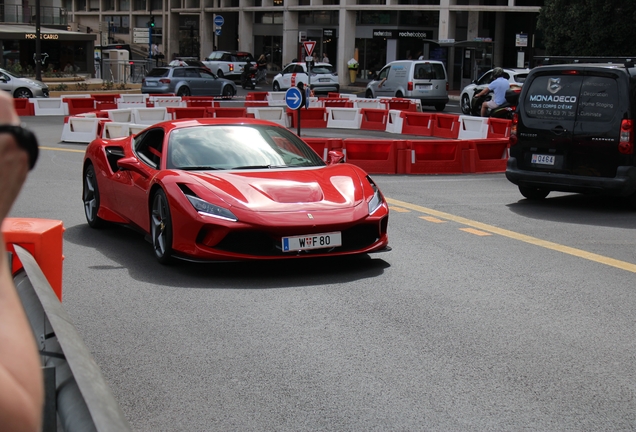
446 126
337 103
374 119
43 239
498 128
373 156
256 96
23 107
400 104
322 146
309 118
226 112
105 101
438 157
200 101
179 113
79 105
490 155
417 123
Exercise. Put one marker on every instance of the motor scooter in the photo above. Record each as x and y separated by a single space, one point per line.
504 111
248 77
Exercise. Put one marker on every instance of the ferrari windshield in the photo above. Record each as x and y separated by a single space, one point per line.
223 147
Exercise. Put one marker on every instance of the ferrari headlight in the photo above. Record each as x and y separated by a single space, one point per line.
376 200
208 209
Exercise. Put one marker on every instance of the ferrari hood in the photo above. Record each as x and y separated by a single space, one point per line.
324 188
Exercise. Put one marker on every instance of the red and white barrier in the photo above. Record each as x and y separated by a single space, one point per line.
115 130
120 115
273 114
137 100
394 122
80 129
344 118
166 101
472 127
150 116
49 106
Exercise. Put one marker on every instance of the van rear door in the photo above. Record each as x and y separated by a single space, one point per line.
569 122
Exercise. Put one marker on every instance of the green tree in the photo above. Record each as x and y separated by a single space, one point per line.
589 27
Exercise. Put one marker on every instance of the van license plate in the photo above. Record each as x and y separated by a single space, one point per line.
542 159
312 241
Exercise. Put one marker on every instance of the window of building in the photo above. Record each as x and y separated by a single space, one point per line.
376 17
124 5
318 17
418 18
419 2
268 18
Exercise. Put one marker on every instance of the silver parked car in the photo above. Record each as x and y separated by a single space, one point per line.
20 87
187 81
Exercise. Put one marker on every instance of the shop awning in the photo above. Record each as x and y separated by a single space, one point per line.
26 32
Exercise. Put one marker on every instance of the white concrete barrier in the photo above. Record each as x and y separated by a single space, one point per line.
472 127
115 130
80 129
120 115
344 118
134 129
276 98
49 106
273 114
368 103
137 100
150 116
394 122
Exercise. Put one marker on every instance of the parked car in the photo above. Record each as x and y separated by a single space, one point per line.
228 64
515 77
233 189
20 87
188 62
186 81
574 131
425 80
324 78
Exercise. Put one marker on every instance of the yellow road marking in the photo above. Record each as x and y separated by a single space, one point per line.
476 232
623 265
63 149
432 219
399 209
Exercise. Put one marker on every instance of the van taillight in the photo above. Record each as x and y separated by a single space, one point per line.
409 86
164 80
446 85
626 144
513 129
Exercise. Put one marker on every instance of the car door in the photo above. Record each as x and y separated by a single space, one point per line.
131 188
196 83
381 86
286 76
211 84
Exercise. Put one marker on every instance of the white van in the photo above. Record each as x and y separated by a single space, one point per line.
425 80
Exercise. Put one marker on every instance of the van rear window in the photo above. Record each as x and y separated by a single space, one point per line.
572 97
429 71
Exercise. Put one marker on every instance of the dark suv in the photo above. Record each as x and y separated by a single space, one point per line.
574 131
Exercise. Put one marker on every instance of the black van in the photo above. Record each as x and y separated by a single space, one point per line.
574 131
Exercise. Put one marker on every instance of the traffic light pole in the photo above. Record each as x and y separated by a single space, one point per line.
151 25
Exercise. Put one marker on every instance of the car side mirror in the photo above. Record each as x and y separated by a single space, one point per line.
335 157
131 164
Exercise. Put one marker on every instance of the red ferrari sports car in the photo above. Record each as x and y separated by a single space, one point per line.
230 190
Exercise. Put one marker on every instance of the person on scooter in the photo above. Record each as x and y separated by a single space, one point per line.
498 86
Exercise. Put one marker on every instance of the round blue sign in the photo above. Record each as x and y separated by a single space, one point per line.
218 20
293 98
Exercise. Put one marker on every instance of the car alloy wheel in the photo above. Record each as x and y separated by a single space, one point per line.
465 104
276 86
90 196
24 93
161 227
228 91
183 91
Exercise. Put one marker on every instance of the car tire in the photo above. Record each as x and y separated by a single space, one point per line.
161 227
276 86
533 193
23 93
220 74
90 197
183 91
465 104
227 92
369 94
440 107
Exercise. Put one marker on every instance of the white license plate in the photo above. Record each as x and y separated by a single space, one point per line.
424 86
324 80
312 241
151 83
542 159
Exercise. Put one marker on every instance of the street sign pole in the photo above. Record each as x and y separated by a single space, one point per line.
294 101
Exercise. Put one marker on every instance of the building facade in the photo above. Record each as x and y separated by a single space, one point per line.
470 36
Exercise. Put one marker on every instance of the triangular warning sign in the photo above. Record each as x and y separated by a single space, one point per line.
309 47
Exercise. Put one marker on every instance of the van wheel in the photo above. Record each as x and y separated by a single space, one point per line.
369 94
533 193
399 94
440 107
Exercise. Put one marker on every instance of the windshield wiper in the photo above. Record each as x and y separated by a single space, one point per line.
251 167
198 168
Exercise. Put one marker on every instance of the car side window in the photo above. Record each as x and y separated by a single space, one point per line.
178 73
226 57
299 69
288 69
485 79
204 74
191 73
384 73
4 77
148 147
